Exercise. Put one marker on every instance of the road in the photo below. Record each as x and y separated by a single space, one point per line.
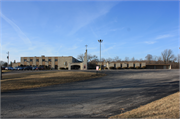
100 97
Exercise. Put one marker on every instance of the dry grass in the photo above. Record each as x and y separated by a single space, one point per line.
6 71
42 79
167 107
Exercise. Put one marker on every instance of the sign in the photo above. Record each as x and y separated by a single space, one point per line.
97 67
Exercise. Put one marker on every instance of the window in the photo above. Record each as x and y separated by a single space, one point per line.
56 60
49 60
25 60
31 60
65 63
43 60
37 60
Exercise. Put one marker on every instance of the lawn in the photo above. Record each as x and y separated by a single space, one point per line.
167 107
6 71
43 79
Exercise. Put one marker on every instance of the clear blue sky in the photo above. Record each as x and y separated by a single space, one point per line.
63 28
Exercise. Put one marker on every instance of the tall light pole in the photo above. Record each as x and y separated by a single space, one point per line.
8 57
100 41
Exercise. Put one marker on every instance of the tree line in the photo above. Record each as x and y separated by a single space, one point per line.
166 56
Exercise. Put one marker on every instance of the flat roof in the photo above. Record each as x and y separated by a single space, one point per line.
157 64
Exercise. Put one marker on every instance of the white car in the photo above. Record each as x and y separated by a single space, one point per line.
9 68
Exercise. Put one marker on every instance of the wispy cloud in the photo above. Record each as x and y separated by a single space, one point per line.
73 47
158 38
17 29
116 29
150 42
86 17
94 33
92 48
163 36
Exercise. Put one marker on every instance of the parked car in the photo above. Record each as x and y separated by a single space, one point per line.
9 68
41 68
34 68
28 68
15 68
3 68
18 68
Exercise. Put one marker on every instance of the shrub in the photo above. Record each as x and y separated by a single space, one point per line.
143 67
105 68
137 67
131 67
118 68
124 67
62 68
111 68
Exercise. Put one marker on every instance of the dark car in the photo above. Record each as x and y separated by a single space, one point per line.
34 68
41 68
9 68
3 68
19 68
28 68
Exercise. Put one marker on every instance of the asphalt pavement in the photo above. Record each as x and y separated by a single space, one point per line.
99 98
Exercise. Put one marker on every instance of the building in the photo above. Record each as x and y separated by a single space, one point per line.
132 65
54 62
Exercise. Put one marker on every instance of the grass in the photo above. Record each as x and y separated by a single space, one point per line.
6 71
43 79
167 107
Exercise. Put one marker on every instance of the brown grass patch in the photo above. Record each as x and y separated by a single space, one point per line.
6 71
167 107
42 79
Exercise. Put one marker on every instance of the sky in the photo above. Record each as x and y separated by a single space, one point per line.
63 28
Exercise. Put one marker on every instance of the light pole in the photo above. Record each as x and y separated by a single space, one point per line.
100 41
8 58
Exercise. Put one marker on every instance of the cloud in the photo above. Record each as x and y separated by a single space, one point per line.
163 36
150 42
74 47
17 29
84 17
94 33
158 38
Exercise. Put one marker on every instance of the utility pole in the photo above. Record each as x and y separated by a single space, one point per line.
86 47
100 41
8 57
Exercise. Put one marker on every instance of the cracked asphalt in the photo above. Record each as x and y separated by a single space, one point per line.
99 98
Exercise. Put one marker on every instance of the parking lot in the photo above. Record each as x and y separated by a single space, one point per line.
100 97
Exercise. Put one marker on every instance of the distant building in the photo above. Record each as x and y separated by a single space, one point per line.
132 65
54 62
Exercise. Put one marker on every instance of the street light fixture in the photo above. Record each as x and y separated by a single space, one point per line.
100 41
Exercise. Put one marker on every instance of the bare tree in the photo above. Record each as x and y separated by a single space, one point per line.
5 64
126 59
174 59
2 62
133 59
116 59
89 57
109 60
159 58
81 57
155 58
103 59
140 59
92 57
148 57
10 64
167 55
